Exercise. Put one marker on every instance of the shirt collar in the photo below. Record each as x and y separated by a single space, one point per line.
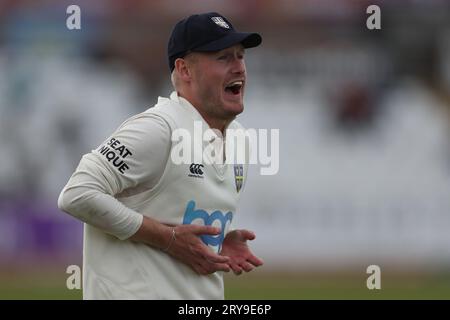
187 106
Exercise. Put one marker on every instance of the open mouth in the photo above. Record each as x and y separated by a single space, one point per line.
235 87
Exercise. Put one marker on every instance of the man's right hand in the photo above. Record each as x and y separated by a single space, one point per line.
190 249
187 246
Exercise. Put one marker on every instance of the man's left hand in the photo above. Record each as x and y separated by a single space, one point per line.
235 247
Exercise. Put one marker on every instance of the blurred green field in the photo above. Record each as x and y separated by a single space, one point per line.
259 285
307 286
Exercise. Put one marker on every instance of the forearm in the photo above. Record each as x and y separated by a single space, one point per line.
100 210
86 199
153 233
88 196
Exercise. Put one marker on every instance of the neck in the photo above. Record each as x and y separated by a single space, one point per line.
213 123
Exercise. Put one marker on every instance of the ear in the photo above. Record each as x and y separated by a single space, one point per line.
183 69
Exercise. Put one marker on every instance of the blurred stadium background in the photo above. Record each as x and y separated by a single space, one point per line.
364 125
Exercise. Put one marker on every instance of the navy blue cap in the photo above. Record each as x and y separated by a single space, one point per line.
205 33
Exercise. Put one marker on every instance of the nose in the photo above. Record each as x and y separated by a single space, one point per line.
238 66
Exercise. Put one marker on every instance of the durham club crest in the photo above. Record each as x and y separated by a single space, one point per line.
220 22
238 176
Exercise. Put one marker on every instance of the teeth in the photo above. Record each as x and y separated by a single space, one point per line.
234 83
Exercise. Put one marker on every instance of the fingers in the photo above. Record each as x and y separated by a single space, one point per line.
191 250
236 269
212 262
247 267
247 234
243 266
255 261
221 267
208 230
199 269
205 268
215 258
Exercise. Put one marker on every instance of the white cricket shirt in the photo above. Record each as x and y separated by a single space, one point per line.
130 175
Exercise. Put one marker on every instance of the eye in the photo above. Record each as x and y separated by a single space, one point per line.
222 57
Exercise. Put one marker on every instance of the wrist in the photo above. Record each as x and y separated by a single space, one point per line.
154 234
173 238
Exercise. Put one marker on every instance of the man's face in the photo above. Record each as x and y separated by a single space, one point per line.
218 81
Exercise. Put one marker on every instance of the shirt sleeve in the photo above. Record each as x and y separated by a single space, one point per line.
132 159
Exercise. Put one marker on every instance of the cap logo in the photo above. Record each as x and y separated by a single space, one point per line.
220 22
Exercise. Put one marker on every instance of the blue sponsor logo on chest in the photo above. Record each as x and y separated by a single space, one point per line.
192 214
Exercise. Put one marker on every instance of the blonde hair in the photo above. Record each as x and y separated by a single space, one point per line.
174 78
190 58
